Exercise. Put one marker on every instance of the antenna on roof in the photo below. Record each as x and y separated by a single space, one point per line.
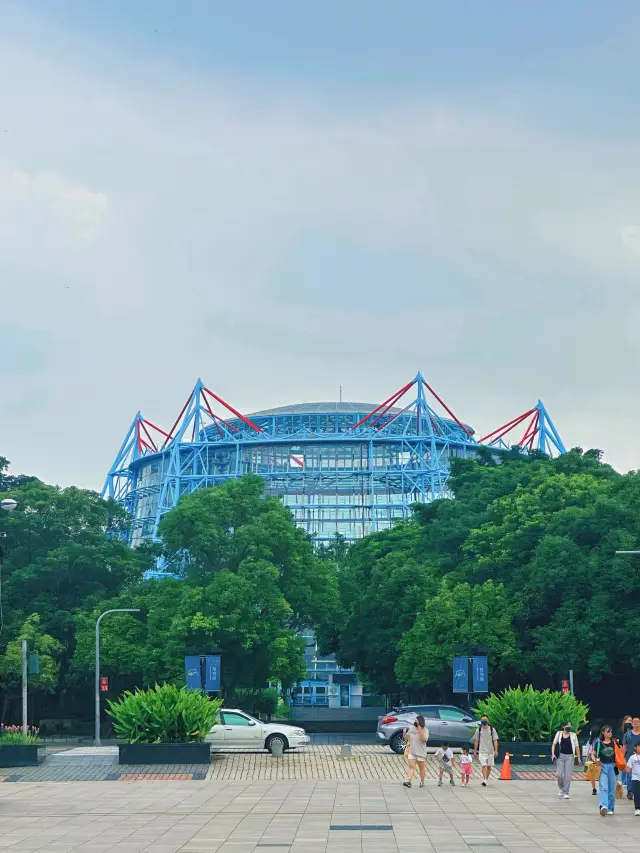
341 393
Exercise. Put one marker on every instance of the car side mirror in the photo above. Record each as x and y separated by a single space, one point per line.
251 723
467 719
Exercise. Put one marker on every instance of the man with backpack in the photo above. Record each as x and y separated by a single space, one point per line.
486 747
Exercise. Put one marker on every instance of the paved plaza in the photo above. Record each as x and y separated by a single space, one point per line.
307 817
318 762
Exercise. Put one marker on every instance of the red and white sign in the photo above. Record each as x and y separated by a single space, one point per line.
296 460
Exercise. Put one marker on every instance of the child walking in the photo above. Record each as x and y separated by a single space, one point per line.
465 766
445 760
633 769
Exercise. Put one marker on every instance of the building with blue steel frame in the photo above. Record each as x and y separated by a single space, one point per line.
340 467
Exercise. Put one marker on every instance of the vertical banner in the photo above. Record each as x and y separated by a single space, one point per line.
461 675
192 672
480 675
212 674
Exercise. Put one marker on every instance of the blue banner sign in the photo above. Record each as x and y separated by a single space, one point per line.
480 675
461 675
212 674
192 672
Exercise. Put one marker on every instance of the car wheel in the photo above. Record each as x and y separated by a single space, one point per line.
272 739
397 743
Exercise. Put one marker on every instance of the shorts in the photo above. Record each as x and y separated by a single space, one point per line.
413 757
446 766
487 759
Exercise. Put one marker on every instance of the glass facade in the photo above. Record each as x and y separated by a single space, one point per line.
333 477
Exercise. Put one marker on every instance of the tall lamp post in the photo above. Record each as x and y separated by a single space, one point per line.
96 741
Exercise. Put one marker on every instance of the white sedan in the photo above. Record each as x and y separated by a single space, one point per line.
239 730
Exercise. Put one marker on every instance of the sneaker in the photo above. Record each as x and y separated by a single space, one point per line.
637 812
603 811
629 795
407 784
609 812
484 783
559 795
594 792
422 784
566 796
439 783
452 782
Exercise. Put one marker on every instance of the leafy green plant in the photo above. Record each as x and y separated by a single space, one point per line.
531 715
13 736
163 714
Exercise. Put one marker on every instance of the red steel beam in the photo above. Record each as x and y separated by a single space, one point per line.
157 428
446 408
235 412
390 401
506 427
146 432
177 421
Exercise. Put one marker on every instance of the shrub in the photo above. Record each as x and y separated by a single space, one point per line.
163 714
531 715
262 700
13 736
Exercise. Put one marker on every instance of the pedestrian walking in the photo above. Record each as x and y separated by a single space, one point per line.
605 753
417 738
592 767
565 750
445 760
485 747
466 767
629 742
633 769
625 779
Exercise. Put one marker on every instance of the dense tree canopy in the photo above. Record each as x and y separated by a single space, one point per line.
522 562
535 540
251 581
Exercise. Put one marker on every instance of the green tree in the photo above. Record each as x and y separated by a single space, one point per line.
48 650
479 615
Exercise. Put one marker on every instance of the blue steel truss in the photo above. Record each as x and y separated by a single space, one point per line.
340 467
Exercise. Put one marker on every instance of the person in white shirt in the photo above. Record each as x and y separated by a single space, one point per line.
485 747
633 768
565 750
445 760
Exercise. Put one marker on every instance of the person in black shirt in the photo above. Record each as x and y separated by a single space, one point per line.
605 753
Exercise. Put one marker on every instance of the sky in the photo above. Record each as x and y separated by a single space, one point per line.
288 197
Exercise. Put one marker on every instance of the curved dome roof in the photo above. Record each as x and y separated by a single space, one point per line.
327 408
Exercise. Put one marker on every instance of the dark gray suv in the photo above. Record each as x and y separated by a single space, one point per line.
446 724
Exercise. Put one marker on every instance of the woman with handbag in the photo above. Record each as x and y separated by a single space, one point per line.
605 752
564 751
591 766
416 750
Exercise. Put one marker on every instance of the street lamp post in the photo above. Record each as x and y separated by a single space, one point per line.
96 741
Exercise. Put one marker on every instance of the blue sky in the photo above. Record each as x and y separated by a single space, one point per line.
285 197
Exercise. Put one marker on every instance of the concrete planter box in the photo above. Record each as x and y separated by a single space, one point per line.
526 752
21 756
164 753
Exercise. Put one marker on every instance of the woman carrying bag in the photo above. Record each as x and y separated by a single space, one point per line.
609 754
564 752
416 749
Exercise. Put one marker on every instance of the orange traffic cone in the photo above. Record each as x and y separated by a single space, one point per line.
505 773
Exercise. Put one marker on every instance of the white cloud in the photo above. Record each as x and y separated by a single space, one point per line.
277 244
75 208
